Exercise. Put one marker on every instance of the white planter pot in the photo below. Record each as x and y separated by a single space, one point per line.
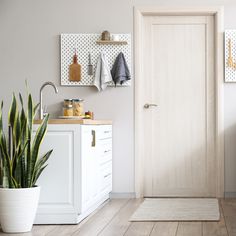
18 209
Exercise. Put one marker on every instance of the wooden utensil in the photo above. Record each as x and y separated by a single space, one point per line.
230 62
75 69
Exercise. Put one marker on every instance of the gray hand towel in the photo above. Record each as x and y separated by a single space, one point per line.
120 70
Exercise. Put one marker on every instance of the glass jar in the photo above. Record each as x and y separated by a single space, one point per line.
68 102
68 110
78 107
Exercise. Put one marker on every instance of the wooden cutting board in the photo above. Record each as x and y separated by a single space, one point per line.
75 70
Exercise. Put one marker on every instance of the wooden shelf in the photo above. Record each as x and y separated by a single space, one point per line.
111 42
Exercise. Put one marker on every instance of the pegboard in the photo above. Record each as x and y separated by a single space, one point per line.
230 71
85 43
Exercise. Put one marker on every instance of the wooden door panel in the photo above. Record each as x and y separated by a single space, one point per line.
180 131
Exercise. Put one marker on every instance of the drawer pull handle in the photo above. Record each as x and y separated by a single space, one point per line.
107 151
94 138
106 132
105 176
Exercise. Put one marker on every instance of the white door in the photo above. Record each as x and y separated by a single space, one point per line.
179 133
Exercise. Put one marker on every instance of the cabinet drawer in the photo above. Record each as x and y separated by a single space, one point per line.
104 146
105 151
104 159
104 132
106 175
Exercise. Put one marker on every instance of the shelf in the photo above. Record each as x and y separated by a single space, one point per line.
111 42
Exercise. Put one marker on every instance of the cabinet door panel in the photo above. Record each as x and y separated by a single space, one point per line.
58 174
90 166
59 181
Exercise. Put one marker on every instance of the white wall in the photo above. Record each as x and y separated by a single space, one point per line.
29 48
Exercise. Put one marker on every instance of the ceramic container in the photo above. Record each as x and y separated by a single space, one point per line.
18 208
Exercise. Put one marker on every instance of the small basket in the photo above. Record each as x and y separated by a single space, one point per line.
106 36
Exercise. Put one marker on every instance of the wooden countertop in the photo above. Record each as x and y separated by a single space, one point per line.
76 121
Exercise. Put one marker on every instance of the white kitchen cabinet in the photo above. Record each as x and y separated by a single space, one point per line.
78 177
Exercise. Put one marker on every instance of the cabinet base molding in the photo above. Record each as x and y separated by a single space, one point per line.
115 195
43 219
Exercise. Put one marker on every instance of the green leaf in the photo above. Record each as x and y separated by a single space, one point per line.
39 165
38 173
29 134
35 147
21 100
5 181
43 160
1 120
7 165
18 171
21 168
23 172
6 162
12 111
16 132
36 108
30 112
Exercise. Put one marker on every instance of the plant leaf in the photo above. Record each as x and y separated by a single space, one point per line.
6 161
36 108
12 111
35 146
19 164
39 165
30 112
43 160
29 134
38 173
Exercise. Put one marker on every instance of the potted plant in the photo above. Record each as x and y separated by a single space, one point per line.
20 166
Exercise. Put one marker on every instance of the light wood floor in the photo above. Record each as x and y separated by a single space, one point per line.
112 219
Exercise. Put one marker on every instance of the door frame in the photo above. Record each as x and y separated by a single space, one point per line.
218 13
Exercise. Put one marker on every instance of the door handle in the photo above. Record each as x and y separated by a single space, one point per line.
148 105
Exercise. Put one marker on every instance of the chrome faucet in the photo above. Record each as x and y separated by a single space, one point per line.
42 113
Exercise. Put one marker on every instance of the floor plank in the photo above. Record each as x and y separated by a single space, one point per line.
120 223
63 230
189 229
164 229
37 230
229 212
229 206
99 221
42 230
140 229
112 219
231 225
215 228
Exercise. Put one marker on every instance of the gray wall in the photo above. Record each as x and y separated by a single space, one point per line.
29 49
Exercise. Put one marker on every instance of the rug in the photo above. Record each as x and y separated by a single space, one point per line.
177 209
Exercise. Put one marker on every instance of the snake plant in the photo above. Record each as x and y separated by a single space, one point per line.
19 150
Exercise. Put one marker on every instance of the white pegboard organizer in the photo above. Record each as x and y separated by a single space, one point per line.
85 43
230 73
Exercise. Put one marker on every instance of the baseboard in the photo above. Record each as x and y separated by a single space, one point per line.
64 218
122 195
230 194
114 195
